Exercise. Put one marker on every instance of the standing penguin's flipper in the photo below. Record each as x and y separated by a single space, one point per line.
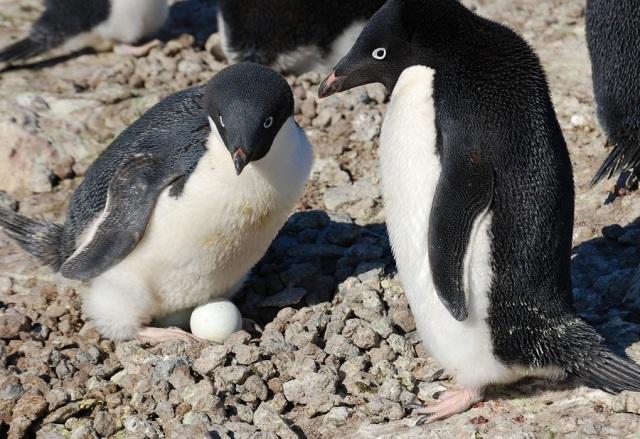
132 195
464 191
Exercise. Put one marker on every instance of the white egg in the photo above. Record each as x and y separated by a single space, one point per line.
216 320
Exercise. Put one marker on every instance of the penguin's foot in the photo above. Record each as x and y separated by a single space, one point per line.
149 334
448 403
137 51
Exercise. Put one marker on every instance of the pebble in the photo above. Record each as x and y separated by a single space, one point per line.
268 420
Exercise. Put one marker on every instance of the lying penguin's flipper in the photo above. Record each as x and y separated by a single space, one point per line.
464 191
132 195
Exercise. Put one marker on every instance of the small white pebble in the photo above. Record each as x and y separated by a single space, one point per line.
216 320
578 120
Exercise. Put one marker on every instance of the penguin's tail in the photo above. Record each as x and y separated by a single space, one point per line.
40 238
624 156
586 358
35 44
610 373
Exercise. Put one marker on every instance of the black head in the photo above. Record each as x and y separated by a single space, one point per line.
401 34
248 103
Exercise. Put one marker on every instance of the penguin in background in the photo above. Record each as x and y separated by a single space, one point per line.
292 36
181 205
77 24
479 200
613 37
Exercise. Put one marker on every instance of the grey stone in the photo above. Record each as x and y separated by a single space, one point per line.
211 358
265 418
614 231
341 347
315 390
630 237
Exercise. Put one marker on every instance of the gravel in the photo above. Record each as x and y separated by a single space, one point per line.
329 347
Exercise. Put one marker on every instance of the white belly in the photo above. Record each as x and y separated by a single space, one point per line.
130 20
202 244
410 171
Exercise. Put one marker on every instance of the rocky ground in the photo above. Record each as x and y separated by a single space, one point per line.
335 353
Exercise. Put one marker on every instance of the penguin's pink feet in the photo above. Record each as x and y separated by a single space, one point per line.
137 51
149 334
447 403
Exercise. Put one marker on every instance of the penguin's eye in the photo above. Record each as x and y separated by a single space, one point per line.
221 122
380 53
268 122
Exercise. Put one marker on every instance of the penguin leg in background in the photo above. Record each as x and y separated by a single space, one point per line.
463 195
119 304
137 51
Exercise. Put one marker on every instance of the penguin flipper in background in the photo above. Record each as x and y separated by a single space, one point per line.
132 195
463 193
59 22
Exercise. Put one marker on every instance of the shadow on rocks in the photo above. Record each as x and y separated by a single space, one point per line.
605 274
304 265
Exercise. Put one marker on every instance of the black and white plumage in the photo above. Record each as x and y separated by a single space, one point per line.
479 199
292 36
77 24
613 37
182 204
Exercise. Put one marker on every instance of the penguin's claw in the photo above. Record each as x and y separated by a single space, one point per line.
148 334
450 402
137 51
440 375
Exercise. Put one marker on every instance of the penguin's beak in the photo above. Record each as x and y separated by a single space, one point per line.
332 84
240 159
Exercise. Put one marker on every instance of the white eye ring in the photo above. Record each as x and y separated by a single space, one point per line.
221 122
379 53
268 122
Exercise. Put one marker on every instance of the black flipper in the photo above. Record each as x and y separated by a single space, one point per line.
625 156
464 191
40 238
132 195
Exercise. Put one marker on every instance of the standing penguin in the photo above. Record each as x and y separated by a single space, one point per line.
292 36
181 205
81 23
613 36
478 194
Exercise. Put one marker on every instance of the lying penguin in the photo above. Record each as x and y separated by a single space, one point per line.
77 24
181 205
613 36
479 200
293 36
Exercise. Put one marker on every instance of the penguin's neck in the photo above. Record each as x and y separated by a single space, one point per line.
285 167
289 159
